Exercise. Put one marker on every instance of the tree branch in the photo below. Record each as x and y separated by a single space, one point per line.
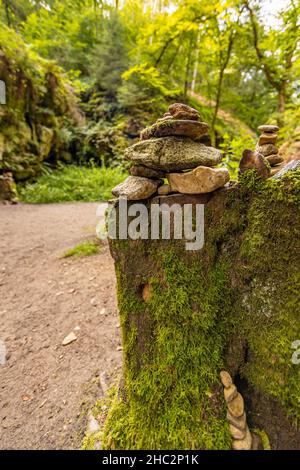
262 60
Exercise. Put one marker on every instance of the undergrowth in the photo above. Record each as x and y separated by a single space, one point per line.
86 248
72 183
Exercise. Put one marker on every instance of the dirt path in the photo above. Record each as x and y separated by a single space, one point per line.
45 387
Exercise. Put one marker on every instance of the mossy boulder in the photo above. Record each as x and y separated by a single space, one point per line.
233 305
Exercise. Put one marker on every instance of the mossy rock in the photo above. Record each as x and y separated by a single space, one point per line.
232 305
39 101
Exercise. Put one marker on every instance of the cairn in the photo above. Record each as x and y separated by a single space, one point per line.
265 159
267 146
236 417
177 149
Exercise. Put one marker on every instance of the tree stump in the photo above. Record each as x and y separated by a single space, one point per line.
187 315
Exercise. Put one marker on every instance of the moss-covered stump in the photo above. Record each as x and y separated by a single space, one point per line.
185 316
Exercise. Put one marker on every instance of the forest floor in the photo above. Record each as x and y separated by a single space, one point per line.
46 389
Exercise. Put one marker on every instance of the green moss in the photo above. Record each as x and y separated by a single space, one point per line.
269 301
87 248
172 380
264 439
91 441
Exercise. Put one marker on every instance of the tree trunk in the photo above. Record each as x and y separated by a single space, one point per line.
223 66
195 72
217 106
7 13
187 71
282 97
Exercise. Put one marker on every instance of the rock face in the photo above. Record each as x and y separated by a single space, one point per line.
182 111
199 181
168 127
172 153
251 160
136 188
146 172
32 119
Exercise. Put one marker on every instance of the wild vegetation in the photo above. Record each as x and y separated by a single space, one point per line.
83 77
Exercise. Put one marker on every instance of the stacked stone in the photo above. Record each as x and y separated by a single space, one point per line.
176 147
267 146
236 416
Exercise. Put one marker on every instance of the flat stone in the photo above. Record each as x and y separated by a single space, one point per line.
254 160
239 423
243 444
172 153
274 159
136 188
230 393
236 433
267 149
183 111
226 379
291 166
170 127
267 138
69 339
182 199
168 115
145 172
164 190
199 181
236 406
268 128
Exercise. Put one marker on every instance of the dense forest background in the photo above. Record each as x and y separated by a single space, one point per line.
83 77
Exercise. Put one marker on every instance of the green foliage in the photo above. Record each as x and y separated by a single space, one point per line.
128 61
145 89
86 248
72 183
109 57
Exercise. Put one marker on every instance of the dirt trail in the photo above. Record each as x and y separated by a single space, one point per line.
46 387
